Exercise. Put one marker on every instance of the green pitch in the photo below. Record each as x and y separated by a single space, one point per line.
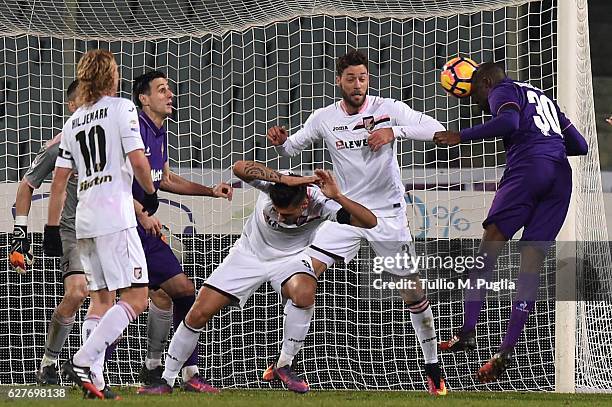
256 398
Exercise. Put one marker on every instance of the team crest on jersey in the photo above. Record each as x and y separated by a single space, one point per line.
369 123
339 145
137 273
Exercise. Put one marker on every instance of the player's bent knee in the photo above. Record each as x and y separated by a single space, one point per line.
75 297
302 294
197 318
161 300
139 305
178 286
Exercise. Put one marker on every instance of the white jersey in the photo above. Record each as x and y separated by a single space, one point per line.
97 139
268 239
372 179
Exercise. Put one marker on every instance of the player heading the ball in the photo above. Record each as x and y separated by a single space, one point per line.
534 193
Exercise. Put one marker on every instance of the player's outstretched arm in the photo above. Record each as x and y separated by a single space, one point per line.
176 184
250 171
506 122
142 173
360 216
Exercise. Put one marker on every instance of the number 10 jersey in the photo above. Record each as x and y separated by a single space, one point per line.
95 142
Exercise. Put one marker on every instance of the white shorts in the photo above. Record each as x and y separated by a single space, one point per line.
114 261
390 237
241 273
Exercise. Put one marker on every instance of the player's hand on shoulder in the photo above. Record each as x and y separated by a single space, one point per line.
223 190
150 224
20 254
447 138
52 241
277 135
293 181
328 184
380 137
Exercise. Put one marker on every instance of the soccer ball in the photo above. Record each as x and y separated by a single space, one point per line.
456 76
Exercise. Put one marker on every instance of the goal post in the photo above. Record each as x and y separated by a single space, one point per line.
240 67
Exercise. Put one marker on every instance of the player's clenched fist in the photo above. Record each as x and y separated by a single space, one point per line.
447 138
223 190
20 255
277 135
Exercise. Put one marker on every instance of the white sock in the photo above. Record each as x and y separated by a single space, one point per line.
423 324
152 363
183 342
47 361
110 327
97 368
295 329
188 372
89 324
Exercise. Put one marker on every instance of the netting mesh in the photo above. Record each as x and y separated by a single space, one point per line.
237 69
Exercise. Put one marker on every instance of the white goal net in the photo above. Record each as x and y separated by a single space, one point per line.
238 67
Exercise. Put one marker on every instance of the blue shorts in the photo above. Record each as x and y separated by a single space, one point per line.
161 261
535 194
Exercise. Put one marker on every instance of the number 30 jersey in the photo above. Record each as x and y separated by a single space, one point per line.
95 142
541 122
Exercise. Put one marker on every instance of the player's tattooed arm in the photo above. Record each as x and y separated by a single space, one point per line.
250 170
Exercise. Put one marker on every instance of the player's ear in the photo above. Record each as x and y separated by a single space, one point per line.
305 203
338 80
143 99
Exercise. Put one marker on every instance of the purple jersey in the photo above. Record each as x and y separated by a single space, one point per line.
155 142
541 122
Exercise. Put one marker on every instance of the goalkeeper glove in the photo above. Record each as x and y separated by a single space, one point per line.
150 203
20 255
52 241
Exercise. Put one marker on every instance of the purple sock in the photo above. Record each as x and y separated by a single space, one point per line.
180 309
527 291
474 296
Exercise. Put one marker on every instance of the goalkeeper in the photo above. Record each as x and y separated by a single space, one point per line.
75 283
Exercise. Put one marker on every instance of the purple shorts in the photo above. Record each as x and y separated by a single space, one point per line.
535 194
161 261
